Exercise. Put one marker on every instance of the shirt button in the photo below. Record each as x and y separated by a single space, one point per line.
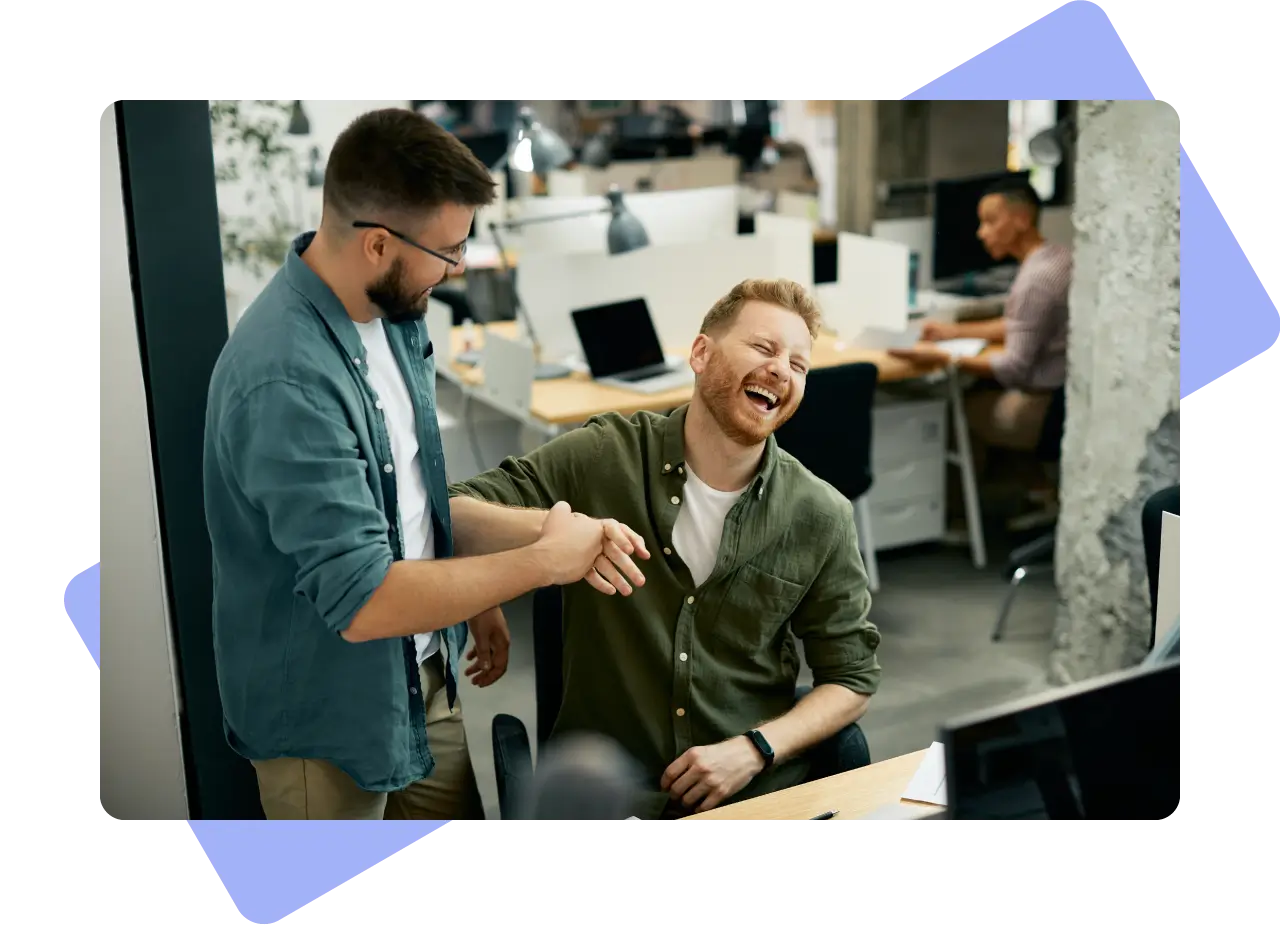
387 468
666 551
378 404
684 656
667 467
356 361
680 470
689 600
679 711
413 690
675 500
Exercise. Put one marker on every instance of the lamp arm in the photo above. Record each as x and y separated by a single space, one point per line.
516 223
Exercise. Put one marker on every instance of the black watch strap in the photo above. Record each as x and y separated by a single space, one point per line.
762 746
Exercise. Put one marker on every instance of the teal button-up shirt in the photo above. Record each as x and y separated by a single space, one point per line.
300 498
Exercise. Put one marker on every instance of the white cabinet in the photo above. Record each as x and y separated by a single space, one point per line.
907 501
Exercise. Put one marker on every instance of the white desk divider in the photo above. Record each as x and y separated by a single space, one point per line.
1168 589
797 205
915 234
508 374
564 183
680 284
677 217
673 173
873 286
793 238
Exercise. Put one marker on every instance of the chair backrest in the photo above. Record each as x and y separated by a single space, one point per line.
548 658
1049 449
830 433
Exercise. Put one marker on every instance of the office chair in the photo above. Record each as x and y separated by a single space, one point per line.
1036 555
847 750
830 434
1165 500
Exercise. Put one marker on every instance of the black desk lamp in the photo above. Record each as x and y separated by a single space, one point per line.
625 233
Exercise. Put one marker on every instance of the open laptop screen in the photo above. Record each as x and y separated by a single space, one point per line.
618 338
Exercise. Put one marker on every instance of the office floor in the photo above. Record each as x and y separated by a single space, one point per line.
934 609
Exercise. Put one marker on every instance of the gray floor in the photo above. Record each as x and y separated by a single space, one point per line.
934 609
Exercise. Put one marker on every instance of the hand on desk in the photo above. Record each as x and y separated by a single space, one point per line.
939 330
707 775
926 356
490 645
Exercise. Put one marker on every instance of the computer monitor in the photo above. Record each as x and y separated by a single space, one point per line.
618 338
956 248
1102 749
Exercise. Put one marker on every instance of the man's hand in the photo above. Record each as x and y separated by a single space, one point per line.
707 775
618 545
925 356
938 330
490 645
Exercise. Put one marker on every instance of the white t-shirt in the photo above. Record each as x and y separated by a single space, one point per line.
700 524
418 534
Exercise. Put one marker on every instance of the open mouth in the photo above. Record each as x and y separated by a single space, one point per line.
764 400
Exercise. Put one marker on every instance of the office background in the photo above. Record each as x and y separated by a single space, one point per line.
935 608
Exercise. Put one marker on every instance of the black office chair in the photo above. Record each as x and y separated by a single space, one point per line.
830 434
1036 555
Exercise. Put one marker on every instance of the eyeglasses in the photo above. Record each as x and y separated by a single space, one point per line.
461 249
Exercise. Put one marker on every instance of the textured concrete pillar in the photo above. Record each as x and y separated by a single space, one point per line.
856 144
1121 438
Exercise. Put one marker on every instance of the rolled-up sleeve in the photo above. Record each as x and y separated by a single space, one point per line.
840 642
1028 328
297 460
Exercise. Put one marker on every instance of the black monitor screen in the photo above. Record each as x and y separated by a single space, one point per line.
1105 751
956 248
618 338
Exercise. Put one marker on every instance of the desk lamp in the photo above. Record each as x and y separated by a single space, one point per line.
1050 146
625 233
535 148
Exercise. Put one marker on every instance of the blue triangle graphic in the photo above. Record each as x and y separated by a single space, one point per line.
1073 53
1227 317
271 869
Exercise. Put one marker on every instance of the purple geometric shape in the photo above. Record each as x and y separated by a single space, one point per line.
83 603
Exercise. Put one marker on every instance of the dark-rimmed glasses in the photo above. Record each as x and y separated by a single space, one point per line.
452 261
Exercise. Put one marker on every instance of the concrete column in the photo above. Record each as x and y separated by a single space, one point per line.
856 144
1121 439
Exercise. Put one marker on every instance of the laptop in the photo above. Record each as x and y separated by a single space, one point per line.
621 347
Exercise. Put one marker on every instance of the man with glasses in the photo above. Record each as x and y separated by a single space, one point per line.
343 582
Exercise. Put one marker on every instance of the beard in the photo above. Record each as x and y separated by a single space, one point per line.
395 299
722 394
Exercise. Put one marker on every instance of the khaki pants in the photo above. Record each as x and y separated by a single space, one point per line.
1004 418
307 788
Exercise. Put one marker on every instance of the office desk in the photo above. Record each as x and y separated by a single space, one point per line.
556 405
853 794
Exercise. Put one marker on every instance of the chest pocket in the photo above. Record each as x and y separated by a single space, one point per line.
754 608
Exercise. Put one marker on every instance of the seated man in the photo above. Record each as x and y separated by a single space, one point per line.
694 673
1007 408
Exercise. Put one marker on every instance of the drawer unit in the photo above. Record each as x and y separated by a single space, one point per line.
907 521
908 478
908 430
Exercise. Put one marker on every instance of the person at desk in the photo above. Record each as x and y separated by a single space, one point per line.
695 675
1007 407
339 612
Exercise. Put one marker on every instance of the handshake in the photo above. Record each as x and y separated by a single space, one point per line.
573 547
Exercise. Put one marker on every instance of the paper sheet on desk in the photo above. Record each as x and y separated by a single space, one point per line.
884 339
963 346
930 783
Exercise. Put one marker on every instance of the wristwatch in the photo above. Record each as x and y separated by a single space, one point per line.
762 746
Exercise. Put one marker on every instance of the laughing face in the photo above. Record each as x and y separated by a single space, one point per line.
751 375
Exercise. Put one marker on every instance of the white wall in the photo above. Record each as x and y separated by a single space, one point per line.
818 135
142 772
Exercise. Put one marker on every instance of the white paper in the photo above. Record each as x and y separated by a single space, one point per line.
874 338
930 783
963 346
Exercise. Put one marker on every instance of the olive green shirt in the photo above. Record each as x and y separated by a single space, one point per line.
673 666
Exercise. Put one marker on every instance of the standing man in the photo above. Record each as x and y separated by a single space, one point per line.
338 613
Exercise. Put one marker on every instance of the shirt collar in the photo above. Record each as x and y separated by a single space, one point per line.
311 287
673 462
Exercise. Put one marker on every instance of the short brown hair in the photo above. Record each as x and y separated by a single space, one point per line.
783 293
398 161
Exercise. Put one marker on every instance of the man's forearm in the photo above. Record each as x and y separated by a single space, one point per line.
991 330
822 713
481 528
424 595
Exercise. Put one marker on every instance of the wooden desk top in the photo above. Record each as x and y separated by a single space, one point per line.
578 398
853 794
